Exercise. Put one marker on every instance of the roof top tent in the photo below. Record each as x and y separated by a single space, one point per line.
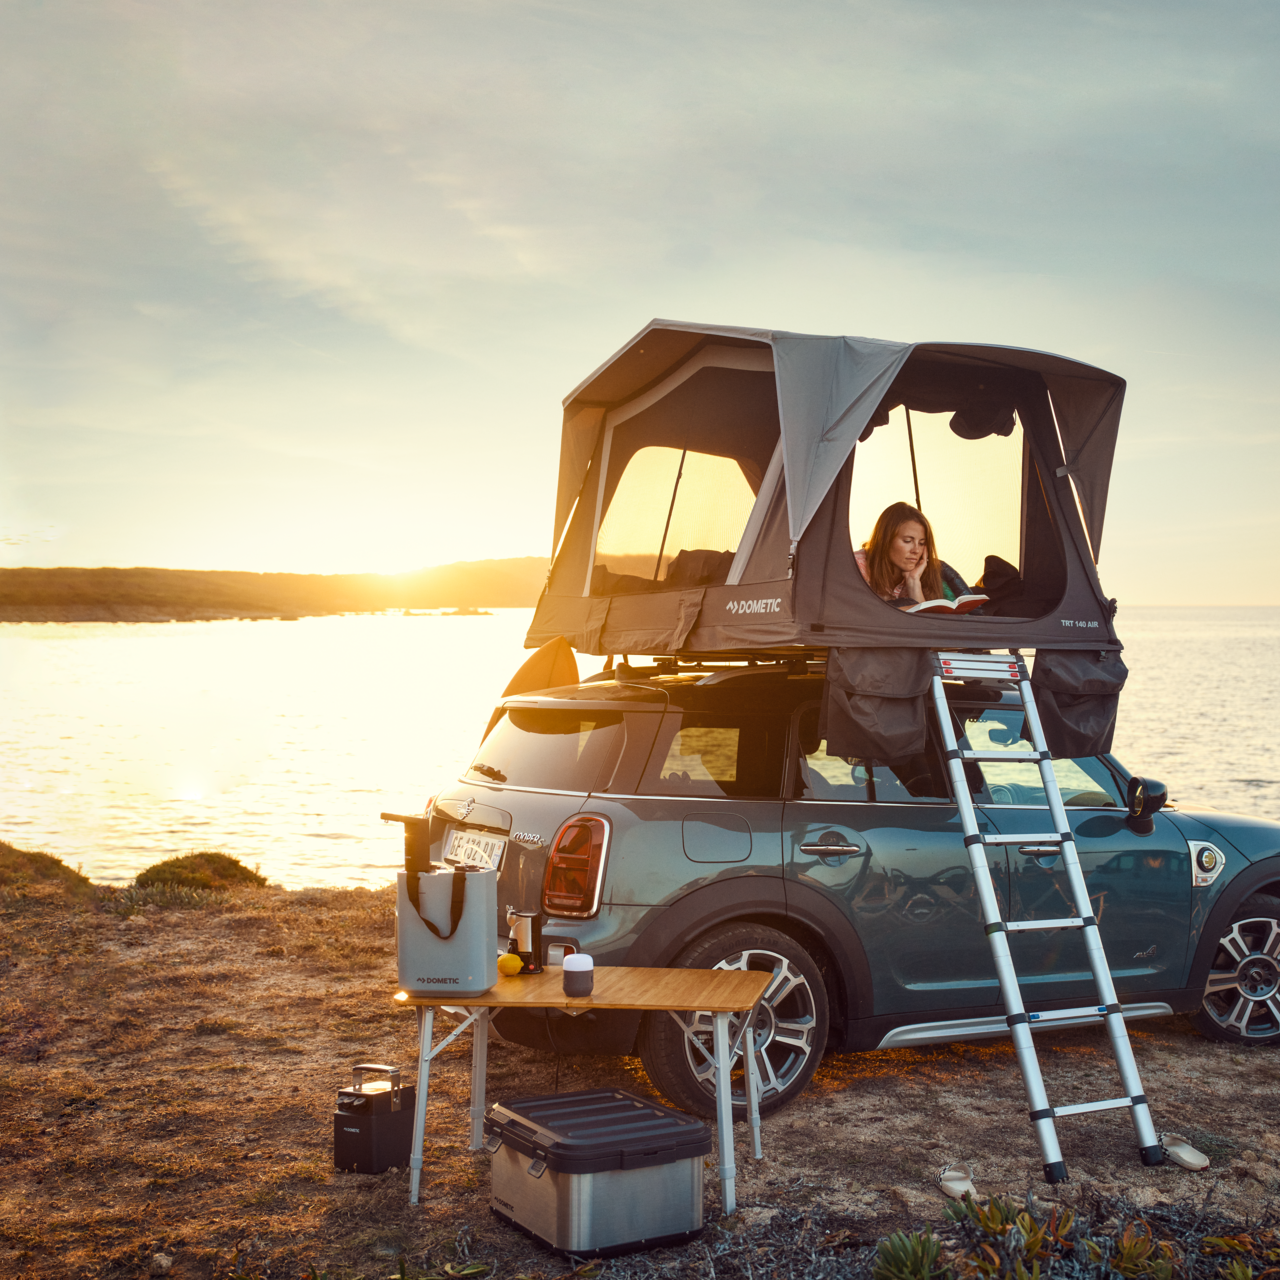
715 482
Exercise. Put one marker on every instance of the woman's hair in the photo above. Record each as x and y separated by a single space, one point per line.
883 576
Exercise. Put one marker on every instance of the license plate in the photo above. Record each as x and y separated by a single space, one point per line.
474 848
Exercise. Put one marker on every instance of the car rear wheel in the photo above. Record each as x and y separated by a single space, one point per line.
789 1034
1242 995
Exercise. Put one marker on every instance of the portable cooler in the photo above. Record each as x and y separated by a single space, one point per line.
373 1121
598 1172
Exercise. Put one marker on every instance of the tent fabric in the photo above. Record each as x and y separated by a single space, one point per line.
828 389
1077 694
873 705
801 403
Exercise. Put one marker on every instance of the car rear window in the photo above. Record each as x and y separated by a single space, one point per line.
550 750
717 755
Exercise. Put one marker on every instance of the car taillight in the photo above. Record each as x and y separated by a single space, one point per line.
575 868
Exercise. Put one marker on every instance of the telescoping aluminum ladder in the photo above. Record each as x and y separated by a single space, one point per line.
1004 671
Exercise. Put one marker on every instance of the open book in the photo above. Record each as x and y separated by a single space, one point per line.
961 604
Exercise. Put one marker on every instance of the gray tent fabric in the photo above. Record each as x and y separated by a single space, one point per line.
828 388
577 442
873 705
1088 414
1077 694
752 394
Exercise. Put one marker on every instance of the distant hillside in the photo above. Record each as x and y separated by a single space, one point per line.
105 595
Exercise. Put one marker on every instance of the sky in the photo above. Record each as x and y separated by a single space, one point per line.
300 286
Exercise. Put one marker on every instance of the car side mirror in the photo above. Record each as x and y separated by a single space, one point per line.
1145 797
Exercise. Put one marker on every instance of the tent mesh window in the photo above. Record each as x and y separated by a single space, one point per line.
970 490
675 519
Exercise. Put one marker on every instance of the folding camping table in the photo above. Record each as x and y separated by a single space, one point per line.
720 992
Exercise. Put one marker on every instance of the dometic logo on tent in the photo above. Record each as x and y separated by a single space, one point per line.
755 606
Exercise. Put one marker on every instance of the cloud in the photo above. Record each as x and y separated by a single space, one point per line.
383 239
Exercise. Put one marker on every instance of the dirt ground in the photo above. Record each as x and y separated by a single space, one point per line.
167 1083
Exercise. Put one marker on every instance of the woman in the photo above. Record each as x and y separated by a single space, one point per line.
900 562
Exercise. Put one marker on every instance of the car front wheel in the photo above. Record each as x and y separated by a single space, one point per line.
1242 995
789 1033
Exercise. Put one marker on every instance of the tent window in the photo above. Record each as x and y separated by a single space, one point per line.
668 502
971 490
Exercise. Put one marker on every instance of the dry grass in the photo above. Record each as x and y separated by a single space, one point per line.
167 1081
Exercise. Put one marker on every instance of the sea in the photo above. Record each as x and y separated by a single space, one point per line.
281 742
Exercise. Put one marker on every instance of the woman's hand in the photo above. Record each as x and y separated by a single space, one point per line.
911 579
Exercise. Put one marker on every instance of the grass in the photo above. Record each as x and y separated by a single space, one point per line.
167 1085
20 868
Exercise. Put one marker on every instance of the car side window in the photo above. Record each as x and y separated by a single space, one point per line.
700 754
1084 782
919 780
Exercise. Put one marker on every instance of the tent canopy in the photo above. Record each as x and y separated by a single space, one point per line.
741 448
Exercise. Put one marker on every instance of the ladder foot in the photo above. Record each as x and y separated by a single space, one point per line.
1152 1155
1055 1172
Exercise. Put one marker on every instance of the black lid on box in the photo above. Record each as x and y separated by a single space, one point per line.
597 1129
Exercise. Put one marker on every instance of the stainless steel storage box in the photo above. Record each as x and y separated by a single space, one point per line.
597 1173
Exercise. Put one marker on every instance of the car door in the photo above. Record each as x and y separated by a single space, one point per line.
885 845
708 808
1139 886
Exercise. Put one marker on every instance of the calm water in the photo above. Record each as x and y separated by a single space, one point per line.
281 742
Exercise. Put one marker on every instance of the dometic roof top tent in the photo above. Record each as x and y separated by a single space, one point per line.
715 482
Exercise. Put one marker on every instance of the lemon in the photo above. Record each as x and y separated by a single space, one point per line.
509 964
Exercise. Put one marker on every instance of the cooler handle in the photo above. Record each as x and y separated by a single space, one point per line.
357 1079
455 906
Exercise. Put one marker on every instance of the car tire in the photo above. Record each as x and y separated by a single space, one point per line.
1242 995
791 1025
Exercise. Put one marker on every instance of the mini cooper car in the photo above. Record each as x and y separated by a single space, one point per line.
690 816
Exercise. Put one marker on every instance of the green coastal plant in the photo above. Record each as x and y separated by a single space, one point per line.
131 899
908 1256
207 869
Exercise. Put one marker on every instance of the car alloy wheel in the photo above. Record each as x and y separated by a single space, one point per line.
1242 993
788 1034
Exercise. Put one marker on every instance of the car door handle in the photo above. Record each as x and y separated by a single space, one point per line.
832 855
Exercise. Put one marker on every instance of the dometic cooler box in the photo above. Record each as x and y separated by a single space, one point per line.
598 1172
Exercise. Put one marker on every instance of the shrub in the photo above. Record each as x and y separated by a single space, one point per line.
206 870
23 866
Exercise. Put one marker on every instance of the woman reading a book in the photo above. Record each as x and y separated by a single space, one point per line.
900 562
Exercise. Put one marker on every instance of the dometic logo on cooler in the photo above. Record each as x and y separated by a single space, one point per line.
438 981
755 606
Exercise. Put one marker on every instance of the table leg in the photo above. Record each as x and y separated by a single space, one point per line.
752 1079
724 1113
479 1063
426 1025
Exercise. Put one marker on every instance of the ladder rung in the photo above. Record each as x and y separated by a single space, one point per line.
1000 757
981 666
1028 926
1079 1108
1055 838
1060 1015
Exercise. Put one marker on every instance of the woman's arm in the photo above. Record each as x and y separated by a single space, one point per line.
911 581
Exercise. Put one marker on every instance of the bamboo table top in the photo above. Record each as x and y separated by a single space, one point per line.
618 987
